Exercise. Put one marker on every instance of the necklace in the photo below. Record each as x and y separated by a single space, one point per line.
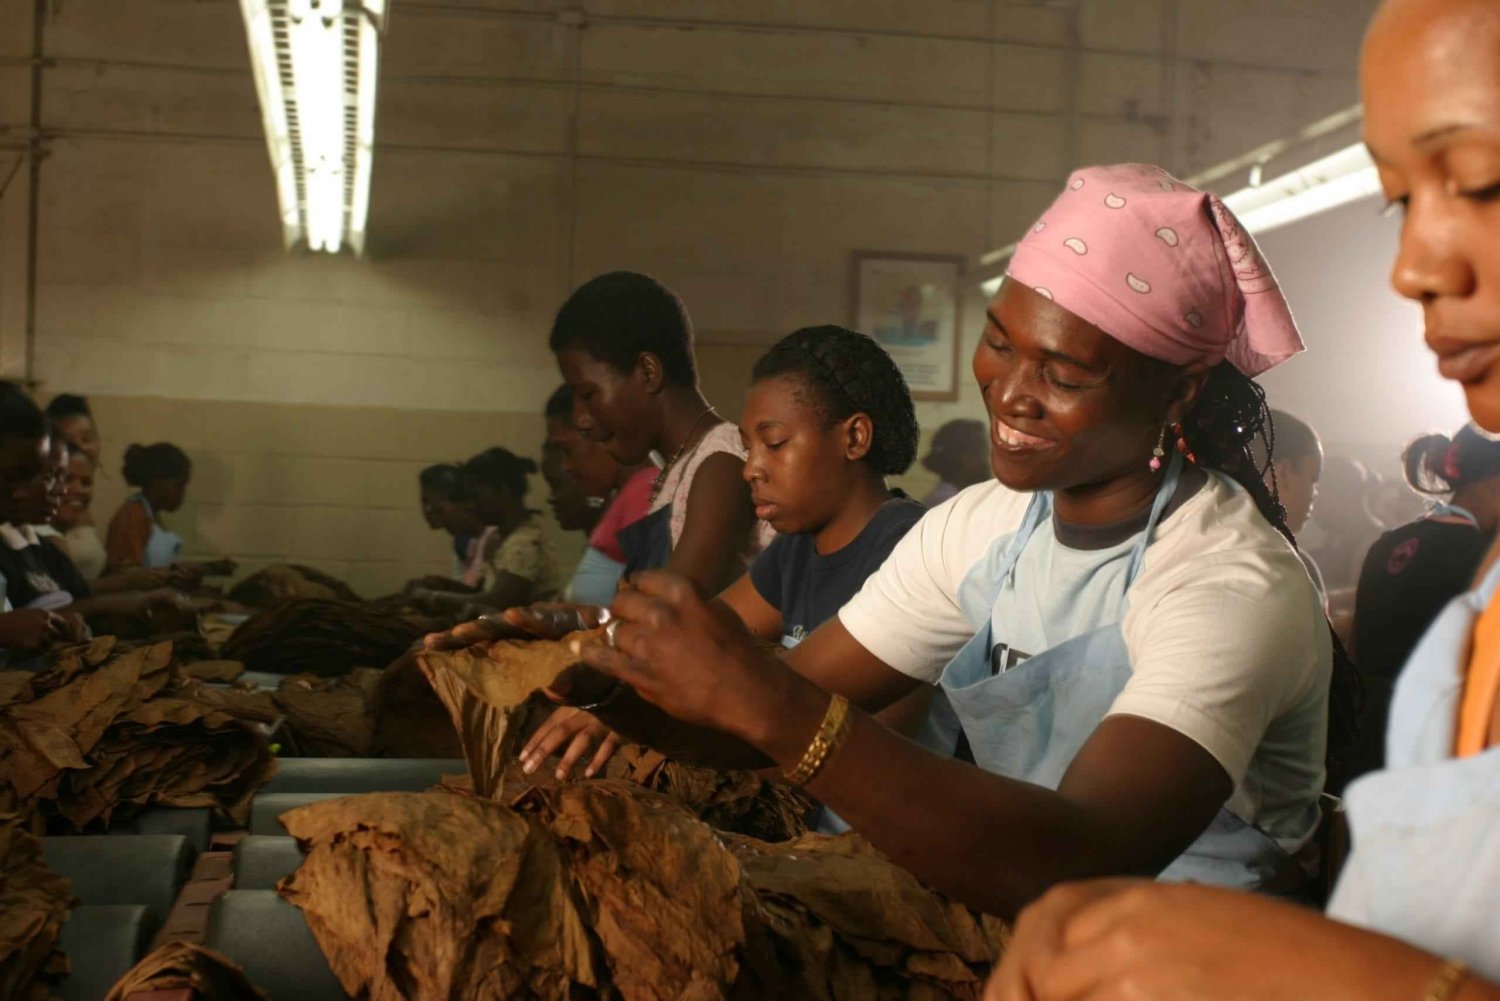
661 477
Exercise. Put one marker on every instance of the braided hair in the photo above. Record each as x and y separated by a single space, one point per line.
848 373
1230 429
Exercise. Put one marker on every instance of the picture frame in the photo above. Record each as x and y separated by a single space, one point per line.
910 304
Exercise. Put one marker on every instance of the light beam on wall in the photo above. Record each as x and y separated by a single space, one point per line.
1321 186
316 63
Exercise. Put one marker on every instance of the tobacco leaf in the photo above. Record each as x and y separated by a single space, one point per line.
34 904
319 636
204 974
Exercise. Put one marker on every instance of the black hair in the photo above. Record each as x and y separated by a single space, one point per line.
500 469
69 405
1231 429
618 317
19 414
1295 438
146 464
444 478
57 438
849 373
1438 465
560 404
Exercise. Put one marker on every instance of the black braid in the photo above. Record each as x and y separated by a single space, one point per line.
1230 429
850 374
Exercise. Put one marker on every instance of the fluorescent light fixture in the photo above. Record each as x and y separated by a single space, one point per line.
1321 186
316 64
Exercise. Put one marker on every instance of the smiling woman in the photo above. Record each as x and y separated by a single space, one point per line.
1123 638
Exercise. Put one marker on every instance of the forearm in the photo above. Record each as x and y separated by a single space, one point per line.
993 842
123 605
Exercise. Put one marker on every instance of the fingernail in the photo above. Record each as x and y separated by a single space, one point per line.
576 647
588 773
529 767
561 774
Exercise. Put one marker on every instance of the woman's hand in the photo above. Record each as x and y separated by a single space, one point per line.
1122 940
580 733
544 620
692 658
32 629
167 609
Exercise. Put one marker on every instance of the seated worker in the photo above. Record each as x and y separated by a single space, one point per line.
72 529
1295 473
72 415
38 575
137 536
959 455
624 344
622 491
445 505
1123 637
1413 571
518 565
827 418
27 632
438 486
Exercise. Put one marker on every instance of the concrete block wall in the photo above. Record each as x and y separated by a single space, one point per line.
741 152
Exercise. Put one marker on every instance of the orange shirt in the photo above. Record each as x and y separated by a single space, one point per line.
1476 714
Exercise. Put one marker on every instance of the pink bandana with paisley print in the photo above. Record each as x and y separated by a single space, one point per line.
1160 266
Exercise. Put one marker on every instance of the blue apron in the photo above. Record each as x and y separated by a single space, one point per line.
1426 831
163 546
1029 722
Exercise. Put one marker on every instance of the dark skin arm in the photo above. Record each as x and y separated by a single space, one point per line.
762 618
1118 940
710 552
1135 797
509 591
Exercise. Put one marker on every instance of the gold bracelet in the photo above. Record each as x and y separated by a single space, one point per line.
1449 978
831 733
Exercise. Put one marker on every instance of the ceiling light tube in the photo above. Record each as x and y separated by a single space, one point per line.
1321 186
316 65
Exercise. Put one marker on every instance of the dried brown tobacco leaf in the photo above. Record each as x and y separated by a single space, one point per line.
319 636
100 730
434 895
176 966
34 903
331 717
283 581
213 670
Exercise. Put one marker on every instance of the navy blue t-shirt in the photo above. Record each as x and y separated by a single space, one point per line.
809 589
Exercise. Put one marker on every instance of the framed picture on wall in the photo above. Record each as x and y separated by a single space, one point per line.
909 303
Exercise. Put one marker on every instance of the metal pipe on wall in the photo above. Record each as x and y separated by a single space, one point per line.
34 178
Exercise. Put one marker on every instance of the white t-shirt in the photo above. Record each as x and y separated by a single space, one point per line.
1227 639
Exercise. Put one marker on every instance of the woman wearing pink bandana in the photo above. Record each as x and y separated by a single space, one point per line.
1125 644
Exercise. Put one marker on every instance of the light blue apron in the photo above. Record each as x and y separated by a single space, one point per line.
1426 831
1028 722
163 546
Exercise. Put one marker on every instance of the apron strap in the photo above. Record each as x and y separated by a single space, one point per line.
1037 511
1158 508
